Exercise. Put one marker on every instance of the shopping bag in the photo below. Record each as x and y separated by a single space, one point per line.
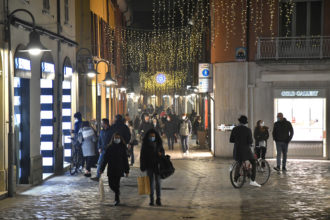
101 189
143 185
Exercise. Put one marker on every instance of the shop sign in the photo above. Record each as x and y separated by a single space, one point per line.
300 93
240 54
205 78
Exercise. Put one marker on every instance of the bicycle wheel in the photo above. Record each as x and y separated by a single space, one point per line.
262 171
73 162
237 175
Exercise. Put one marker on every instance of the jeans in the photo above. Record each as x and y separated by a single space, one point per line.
99 162
89 163
281 147
184 143
154 178
170 141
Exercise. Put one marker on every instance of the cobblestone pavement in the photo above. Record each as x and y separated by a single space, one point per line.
199 189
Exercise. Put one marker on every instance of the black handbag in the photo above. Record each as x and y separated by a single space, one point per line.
166 168
134 142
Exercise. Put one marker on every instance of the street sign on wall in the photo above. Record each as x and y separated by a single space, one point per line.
205 78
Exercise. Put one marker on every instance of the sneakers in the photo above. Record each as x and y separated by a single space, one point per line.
277 168
284 169
254 183
95 179
187 152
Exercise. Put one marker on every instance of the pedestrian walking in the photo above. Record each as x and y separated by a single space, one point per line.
119 127
282 135
185 130
87 138
132 142
170 130
156 126
116 159
151 152
241 136
103 142
145 126
261 136
197 126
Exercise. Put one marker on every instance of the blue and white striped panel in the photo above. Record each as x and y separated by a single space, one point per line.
17 115
66 119
46 127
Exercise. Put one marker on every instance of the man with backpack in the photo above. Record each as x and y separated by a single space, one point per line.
185 130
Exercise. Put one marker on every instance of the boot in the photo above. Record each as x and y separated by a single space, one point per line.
117 200
158 202
151 203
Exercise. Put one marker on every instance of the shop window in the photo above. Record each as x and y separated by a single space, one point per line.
300 18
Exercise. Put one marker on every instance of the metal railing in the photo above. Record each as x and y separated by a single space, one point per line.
277 48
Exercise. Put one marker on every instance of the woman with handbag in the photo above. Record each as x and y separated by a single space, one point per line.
261 136
151 152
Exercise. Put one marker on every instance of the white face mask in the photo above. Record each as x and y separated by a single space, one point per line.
76 120
183 117
116 140
262 124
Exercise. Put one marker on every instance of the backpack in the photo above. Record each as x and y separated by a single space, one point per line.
184 128
166 168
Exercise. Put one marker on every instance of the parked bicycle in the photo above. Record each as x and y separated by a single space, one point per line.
238 174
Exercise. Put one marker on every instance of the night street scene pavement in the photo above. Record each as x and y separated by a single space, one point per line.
199 189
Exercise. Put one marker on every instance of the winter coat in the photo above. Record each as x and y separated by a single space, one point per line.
117 160
157 128
144 128
133 135
122 129
241 136
185 127
104 139
87 137
149 156
261 135
283 131
170 128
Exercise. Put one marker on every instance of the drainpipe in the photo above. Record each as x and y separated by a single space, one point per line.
59 96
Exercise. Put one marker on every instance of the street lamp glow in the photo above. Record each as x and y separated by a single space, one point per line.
34 46
91 74
108 79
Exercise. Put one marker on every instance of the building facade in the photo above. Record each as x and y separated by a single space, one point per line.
98 27
278 60
40 90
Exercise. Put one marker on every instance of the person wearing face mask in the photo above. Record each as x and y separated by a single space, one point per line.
117 160
185 130
145 126
170 129
282 135
151 151
261 136
156 126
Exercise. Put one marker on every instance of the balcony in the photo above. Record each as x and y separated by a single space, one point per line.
294 48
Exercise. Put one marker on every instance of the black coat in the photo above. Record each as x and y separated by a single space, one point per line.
122 129
261 135
117 159
283 131
149 156
144 128
241 136
170 128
